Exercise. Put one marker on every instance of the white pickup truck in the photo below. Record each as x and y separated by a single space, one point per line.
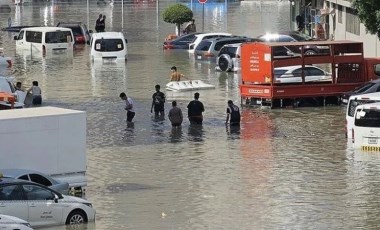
47 139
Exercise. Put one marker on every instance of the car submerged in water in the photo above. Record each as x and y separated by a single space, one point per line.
369 87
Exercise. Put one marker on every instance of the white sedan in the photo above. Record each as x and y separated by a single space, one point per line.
41 206
12 223
293 74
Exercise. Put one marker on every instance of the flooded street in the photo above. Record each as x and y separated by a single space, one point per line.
283 169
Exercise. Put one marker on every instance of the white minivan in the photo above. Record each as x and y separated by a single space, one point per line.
353 102
45 39
108 46
366 129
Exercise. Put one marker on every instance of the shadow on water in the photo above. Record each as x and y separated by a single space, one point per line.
195 133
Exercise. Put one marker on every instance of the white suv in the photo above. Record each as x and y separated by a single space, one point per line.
200 37
229 58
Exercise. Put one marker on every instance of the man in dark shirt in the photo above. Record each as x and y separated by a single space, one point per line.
158 102
194 110
233 114
98 23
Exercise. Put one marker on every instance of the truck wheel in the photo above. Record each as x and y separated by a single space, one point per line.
76 217
225 63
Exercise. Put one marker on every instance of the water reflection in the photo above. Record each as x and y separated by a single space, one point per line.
195 133
233 131
176 134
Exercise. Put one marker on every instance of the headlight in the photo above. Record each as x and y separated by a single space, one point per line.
27 225
88 204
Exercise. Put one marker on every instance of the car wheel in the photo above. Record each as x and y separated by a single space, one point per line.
76 217
310 52
225 63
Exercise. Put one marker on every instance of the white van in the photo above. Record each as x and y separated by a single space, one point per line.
45 39
108 46
353 102
366 130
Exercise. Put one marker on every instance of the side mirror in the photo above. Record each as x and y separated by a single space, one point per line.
15 38
90 31
126 41
88 42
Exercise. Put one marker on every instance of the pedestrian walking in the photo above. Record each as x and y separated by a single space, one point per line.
175 115
233 114
102 25
190 27
128 106
36 93
158 102
195 109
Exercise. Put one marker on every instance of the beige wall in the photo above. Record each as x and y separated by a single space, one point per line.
371 42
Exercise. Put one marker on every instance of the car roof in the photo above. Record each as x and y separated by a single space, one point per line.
294 67
108 35
7 180
367 95
233 45
46 29
70 23
215 33
17 172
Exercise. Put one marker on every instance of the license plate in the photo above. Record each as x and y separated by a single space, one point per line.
372 141
58 51
109 60
199 57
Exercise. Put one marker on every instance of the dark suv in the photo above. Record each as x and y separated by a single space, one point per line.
208 49
294 36
80 32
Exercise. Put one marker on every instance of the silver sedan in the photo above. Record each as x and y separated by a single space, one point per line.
37 177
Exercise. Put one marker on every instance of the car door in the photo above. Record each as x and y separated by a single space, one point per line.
20 38
43 210
314 74
296 76
13 202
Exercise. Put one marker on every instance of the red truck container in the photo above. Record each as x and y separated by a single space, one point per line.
349 69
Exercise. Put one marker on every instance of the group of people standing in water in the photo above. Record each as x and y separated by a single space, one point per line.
195 108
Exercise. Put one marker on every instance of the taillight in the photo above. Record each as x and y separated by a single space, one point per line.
353 136
79 38
43 50
208 54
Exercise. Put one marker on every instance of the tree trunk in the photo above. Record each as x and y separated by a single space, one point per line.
178 29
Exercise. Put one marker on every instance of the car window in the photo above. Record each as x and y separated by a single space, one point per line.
11 192
297 72
204 46
34 192
109 45
231 51
279 72
313 72
285 38
209 36
58 37
76 30
376 67
21 35
23 177
34 36
187 38
39 179
301 37
364 87
220 44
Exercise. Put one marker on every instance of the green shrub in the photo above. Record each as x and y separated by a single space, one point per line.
177 14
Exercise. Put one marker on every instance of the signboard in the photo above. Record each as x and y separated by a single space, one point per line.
202 1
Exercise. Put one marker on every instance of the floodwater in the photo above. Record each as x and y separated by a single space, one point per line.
283 169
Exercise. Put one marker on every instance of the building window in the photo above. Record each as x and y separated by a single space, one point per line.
352 22
340 10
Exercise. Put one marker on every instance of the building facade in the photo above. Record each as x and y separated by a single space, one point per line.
339 21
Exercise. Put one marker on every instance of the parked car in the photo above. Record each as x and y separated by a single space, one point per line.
293 74
229 56
201 37
81 34
181 42
6 85
369 87
13 223
208 49
42 206
37 177
294 36
108 46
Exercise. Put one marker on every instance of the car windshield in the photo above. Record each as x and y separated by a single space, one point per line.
76 31
279 72
204 46
301 37
370 119
109 45
58 37
364 87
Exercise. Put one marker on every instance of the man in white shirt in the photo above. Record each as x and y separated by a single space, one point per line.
128 106
36 93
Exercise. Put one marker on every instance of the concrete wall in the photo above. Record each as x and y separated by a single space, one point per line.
371 42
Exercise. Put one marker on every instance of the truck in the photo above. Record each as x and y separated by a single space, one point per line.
47 139
345 59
